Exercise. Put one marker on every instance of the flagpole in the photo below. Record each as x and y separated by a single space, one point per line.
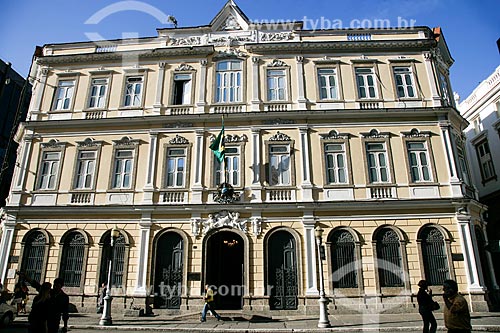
224 159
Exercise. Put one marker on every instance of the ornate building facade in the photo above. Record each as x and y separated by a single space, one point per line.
354 131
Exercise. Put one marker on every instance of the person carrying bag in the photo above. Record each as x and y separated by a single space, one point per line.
425 307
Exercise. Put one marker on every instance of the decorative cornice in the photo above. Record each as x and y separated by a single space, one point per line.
279 121
178 125
54 144
179 140
230 53
280 137
89 143
126 141
415 133
334 135
375 134
276 36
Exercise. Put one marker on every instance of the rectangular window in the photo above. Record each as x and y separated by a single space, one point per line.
419 162
365 78
228 81
64 94
122 171
485 160
276 85
377 163
445 90
182 89
48 170
97 97
232 167
405 85
279 165
176 167
85 170
327 81
133 91
335 158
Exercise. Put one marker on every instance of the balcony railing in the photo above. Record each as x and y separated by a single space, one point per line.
277 107
85 198
382 192
173 197
280 195
179 110
369 105
228 108
95 115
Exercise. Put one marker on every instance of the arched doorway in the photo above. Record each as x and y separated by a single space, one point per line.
224 268
282 271
168 271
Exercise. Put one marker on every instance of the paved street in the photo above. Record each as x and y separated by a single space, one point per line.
408 322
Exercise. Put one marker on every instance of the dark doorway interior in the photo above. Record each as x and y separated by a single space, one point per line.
168 271
224 269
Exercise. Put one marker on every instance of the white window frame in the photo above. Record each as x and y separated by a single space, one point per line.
233 165
377 153
134 99
445 89
365 74
417 153
404 74
65 92
120 168
335 168
327 87
277 85
88 165
49 170
284 175
485 161
176 174
187 88
98 100
229 82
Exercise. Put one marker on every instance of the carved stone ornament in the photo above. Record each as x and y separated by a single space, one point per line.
231 24
256 226
279 121
277 63
276 36
230 53
224 219
374 134
280 137
235 138
126 141
184 67
54 144
89 143
415 133
178 125
178 140
226 194
183 41
334 135
195 227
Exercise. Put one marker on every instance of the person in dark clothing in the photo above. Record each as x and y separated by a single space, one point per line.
60 303
40 310
425 307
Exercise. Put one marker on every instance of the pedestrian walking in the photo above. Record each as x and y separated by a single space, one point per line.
40 310
100 301
209 304
425 307
456 309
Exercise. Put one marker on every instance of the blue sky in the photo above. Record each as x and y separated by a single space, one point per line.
471 28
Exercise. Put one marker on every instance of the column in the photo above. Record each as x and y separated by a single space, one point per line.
489 260
456 186
142 262
302 101
159 87
21 171
469 250
197 190
429 68
306 185
200 104
309 222
255 84
36 105
256 153
9 226
149 187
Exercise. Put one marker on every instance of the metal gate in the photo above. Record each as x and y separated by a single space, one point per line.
282 271
434 257
169 271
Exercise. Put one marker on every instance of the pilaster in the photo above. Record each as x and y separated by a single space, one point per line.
149 188
8 226
37 99
256 102
302 100
200 104
142 262
197 190
160 83
256 155
309 221
429 68
306 185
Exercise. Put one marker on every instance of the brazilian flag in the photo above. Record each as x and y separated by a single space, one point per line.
218 146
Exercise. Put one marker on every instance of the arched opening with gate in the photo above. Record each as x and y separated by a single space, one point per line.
282 273
169 270
224 268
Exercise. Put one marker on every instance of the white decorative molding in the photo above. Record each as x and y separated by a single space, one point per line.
224 219
256 226
279 121
277 63
230 53
89 143
276 36
184 67
231 24
415 133
334 135
178 140
185 41
54 144
375 134
126 141
195 226
178 125
280 137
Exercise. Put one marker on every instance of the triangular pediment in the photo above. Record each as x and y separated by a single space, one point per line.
230 18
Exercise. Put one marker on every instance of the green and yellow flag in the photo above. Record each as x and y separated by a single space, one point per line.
218 145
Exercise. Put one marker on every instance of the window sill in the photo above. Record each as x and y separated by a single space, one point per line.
430 183
336 186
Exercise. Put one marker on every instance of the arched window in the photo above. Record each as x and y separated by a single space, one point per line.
434 256
73 256
389 259
343 259
34 254
118 260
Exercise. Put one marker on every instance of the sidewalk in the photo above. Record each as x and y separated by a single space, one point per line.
408 322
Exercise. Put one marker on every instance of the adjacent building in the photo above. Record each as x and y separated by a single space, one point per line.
353 131
482 110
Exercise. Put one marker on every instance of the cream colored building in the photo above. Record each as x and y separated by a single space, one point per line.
351 130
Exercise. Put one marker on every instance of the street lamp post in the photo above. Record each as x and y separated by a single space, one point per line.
106 319
323 322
